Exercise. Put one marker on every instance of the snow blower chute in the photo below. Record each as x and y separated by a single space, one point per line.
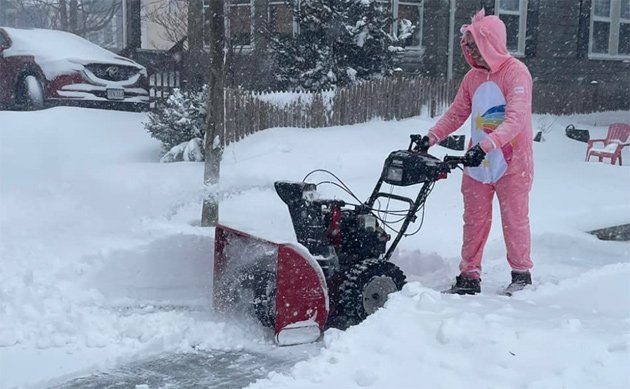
340 272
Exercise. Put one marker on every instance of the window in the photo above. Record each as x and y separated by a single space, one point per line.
386 8
514 14
240 22
610 29
238 26
408 13
280 18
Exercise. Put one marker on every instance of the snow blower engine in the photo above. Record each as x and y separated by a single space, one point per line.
340 272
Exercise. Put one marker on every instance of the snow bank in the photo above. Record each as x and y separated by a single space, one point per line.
103 260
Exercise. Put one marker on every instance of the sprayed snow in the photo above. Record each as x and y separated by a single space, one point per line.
103 261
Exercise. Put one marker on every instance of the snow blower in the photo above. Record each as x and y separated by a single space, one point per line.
340 272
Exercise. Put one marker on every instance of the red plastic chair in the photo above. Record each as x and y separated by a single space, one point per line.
614 142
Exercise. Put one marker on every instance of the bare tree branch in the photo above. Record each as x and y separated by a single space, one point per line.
171 16
95 19
76 16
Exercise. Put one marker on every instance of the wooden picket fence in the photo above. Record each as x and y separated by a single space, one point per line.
165 73
394 98
564 98
248 112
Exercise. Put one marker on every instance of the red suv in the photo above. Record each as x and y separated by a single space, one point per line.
40 67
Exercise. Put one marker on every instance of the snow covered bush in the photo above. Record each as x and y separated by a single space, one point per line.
185 151
179 124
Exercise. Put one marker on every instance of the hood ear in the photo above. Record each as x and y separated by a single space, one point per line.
479 15
476 19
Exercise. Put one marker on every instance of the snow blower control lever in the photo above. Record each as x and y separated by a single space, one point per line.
344 249
421 143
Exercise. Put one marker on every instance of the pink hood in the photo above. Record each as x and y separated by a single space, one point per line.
490 37
507 84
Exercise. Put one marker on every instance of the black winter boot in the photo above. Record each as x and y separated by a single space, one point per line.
519 281
465 285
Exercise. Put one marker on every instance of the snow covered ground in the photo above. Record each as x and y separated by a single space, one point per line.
103 262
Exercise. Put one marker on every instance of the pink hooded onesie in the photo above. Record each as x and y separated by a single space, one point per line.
499 104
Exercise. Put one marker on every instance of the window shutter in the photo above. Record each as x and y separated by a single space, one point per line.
531 29
584 24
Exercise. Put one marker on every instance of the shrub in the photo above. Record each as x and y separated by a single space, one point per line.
179 123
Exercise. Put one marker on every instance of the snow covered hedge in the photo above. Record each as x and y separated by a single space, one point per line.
178 123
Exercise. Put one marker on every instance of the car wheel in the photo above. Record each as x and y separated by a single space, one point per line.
30 94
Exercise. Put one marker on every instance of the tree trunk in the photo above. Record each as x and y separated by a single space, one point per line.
73 16
196 62
63 15
134 27
215 120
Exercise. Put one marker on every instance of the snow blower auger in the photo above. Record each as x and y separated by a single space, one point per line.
340 272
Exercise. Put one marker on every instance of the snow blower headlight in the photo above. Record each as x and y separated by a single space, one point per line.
367 222
394 174
310 195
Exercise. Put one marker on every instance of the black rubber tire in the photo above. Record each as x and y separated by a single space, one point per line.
366 288
253 293
30 94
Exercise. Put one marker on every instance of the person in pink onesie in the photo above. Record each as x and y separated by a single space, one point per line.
496 93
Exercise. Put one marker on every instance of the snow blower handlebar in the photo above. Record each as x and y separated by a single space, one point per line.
421 143
451 162
406 168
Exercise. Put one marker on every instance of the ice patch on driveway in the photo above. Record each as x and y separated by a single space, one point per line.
204 369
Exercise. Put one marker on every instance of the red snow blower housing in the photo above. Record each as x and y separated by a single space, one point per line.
340 272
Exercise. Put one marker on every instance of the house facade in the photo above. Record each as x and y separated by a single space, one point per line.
248 22
568 45
575 49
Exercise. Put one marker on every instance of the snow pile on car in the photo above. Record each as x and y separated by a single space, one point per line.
59 51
